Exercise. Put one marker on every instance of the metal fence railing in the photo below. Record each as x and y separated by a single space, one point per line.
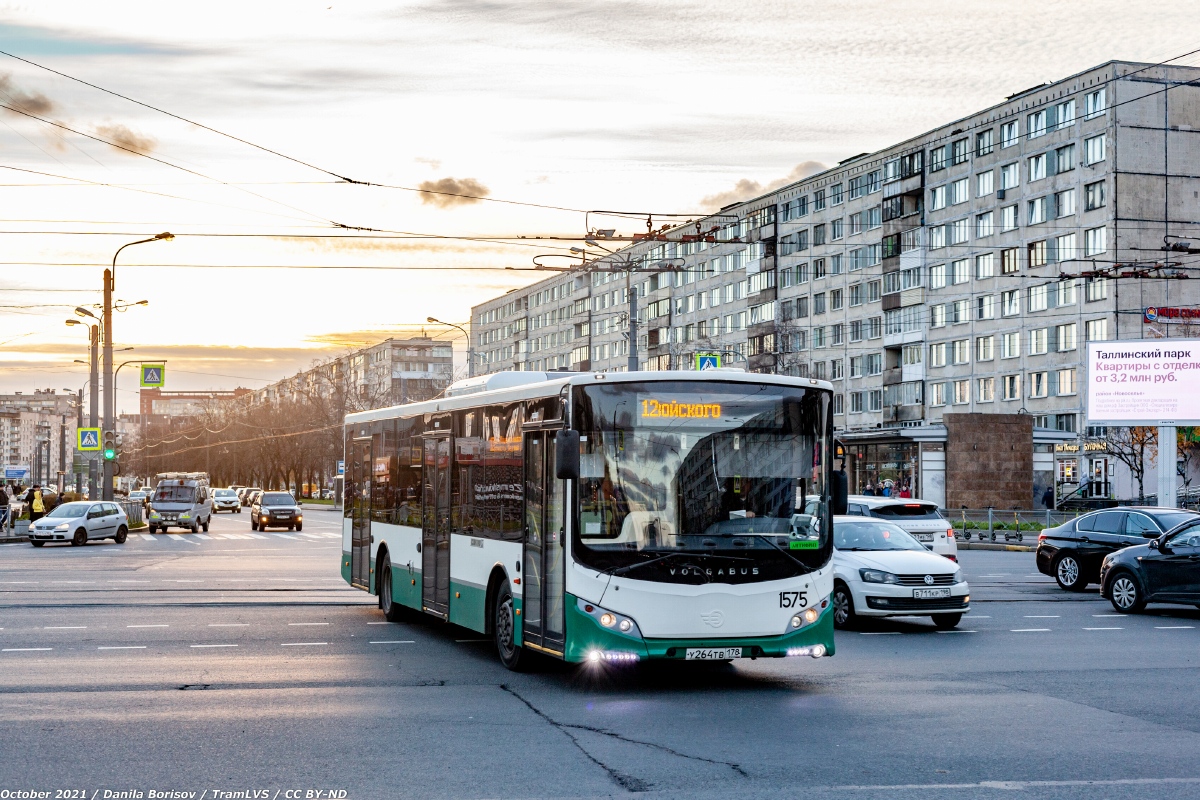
132 508
992 524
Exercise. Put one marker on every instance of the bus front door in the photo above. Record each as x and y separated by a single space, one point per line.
435 538
542 573
359 484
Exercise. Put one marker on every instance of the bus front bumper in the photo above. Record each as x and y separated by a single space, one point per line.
588 640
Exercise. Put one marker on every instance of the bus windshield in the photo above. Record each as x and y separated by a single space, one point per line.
690 482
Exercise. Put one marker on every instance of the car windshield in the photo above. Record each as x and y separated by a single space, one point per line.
709 474
867 535
175 494
224 493
71 510
903 511
277 499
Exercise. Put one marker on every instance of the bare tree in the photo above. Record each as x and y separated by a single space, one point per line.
1135 447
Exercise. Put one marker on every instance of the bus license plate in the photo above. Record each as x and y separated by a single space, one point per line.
930 594
923 537
712 653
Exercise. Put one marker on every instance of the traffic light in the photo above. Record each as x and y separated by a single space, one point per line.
110 446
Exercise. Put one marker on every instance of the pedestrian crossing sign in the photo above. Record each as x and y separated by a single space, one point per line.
153 375
708 361
87 439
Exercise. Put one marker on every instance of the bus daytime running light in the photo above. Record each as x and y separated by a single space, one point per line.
815 650
796 621
625 626
612 657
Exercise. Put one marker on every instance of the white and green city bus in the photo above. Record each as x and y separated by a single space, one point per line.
605 517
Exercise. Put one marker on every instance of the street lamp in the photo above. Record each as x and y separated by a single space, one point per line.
94 380
467 336
110 393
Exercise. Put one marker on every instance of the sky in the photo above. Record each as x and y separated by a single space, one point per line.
555 108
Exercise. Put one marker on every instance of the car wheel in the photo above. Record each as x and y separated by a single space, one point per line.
1125 594
843 607
37 544
392 611
79 539
300 527
122 535
205 525
237 510
504 631
945 622
1069 573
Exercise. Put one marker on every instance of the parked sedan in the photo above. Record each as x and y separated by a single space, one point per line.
78 522
880 570
1071 553
276 510
1163 570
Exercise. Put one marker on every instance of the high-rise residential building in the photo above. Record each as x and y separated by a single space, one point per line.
963 270
37 437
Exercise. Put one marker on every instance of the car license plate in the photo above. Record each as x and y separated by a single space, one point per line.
923 537
712 653
930 594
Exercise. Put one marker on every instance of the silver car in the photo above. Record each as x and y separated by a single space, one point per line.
78 522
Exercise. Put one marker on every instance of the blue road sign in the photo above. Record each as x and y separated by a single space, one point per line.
16 473
88 439
341 468
152 375
708 361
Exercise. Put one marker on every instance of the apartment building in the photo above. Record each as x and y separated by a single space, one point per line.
959 271
37 436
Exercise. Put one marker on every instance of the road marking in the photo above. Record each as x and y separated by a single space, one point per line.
1029 630
309 535
16 582
24 649
287 536
396 641
1104 629
956 631
213 645
64 627
1174 627
255 536
979 616
229 624
202 536
302 644
149 536
124 647
179 538
1110 615
381 623
308 623
1001 575
1041 616
879 633
147 626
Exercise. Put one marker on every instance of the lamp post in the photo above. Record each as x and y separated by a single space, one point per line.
78 425
470 359
110 393
94 390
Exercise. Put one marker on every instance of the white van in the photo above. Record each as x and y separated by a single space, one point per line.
180 503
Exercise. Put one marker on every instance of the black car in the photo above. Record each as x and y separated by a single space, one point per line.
1163 570
1071 553
276 510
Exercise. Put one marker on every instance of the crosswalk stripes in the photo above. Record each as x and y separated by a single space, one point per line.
215 538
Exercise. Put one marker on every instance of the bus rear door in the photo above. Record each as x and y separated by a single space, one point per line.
359 483
542 573
435 539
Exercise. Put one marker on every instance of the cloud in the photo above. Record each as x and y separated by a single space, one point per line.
33 102
116 133
745 189
451 192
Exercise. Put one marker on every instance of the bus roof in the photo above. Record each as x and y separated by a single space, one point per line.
549 384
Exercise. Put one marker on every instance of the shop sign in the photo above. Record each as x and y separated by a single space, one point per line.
1170 315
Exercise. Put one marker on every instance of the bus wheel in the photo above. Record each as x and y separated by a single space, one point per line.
392 611
504 631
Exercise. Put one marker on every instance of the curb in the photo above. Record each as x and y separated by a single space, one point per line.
1012 548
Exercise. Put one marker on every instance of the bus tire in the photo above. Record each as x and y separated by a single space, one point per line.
504 625
392 611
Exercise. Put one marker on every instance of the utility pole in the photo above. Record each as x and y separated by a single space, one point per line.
633 326
62 453
94 411
78 425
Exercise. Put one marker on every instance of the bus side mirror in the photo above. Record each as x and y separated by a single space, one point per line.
566 455
841 492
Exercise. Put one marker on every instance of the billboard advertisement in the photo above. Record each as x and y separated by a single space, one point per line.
1144 382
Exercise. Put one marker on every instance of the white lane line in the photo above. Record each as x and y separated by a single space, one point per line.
16 582
202 536
179 538
1104 629
1041 616
879 633
382 623
308 623
182 580
1001 575
955 631
24 649
1174 627
302 644
229 624
1110 615
396 641
1029 630
146 626
286 536
978 616
124 647
149 536
255 536
64 627
127 581
213 645
309 535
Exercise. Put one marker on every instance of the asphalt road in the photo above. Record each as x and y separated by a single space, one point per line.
214 664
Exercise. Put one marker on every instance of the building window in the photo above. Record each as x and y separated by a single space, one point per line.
1095 241
911 354
1037 342
1095 104
1037 167
1009 135
984 348
937 276
835 299
937 394
1010 345
874 363
875 398
1037 210
961 349
960 191
1012 387
1008 219
1010 176
1065 292
1093 149
1097 289
959 231
1093 196
1038 298
959 273
818 303
960 312
1010 303
959 151
1064 203
1097 330
837 333
985 390
1038 384
819 200
985 224
937 158
835 370
1037 253
856 402
856 366
837 228
1010 261
984 143
962 392
1036 124
1064 247
937 237
985 183
937 355
839 404
874 291
1064 114
818 268
835 195
985 307
985 265
937 198
874 327
1064 159
818 337
1066 382
1065 335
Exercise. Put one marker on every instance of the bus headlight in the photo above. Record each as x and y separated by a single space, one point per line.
811 615
610 619
626 626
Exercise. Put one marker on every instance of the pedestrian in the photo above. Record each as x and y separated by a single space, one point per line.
5 509
869 490
37 506
905 492
887 490
1048 497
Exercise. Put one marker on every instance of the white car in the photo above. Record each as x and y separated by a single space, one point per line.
80 521
880 570
226 500
919 517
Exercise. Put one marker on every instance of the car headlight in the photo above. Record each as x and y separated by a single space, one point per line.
153 513
66 526
299 517
184 516
877 576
